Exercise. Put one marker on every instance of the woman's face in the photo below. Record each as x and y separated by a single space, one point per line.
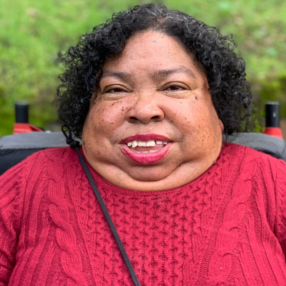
151 124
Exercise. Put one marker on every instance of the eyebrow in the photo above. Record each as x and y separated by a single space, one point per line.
119 75
156 74
165 73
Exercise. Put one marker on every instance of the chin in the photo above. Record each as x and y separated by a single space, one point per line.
148 175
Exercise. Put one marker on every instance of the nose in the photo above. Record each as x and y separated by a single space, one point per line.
145 109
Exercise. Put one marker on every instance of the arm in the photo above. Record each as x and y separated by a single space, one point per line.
12 188
280 188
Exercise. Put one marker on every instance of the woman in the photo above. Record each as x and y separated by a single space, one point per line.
150 93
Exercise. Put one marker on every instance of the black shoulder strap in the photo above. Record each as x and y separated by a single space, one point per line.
109 220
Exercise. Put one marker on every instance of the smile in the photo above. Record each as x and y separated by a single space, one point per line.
146 149
150 146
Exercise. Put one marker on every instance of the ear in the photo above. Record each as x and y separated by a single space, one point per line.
221 126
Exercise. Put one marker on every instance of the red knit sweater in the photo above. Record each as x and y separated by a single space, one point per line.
228 227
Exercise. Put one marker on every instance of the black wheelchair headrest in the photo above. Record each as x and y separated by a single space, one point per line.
15 148
264 143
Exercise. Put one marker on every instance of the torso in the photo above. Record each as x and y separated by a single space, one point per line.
221 229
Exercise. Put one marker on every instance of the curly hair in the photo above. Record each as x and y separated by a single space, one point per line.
225 71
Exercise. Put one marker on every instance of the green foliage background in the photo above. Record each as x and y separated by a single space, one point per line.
33 32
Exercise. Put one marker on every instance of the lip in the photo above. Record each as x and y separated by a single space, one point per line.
146 158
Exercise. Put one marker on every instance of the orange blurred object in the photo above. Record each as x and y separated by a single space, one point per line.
272 116
22 119
273 131
25 127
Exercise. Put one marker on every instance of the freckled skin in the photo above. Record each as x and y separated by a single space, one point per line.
177 106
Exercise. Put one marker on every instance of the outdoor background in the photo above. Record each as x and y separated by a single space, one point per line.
32 32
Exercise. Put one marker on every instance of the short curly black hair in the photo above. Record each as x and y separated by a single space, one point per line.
214 52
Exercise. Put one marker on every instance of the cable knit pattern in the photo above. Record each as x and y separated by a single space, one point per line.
65 234
227 227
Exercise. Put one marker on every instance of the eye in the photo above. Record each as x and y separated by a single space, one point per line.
174 88
115 90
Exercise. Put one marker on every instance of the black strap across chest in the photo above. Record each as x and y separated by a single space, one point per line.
109 220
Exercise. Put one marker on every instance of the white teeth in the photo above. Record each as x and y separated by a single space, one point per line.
142 143
151 143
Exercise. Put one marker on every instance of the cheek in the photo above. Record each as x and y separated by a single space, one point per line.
103 119
193 115
198 119
94 123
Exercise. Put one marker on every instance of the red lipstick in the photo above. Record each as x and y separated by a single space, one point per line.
146 158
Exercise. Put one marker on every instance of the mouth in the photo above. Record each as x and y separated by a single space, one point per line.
146 149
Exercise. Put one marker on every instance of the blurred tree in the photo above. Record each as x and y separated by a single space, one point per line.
33 32
259 32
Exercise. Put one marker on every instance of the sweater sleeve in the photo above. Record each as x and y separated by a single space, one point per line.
280 183
12 189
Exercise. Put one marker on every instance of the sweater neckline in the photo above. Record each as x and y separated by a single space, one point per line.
104 184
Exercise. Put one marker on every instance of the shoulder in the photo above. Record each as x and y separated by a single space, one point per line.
259 175
37 166
247 154
33 178
52 154
52 158
251 163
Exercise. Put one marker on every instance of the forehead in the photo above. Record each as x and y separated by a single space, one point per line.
150 51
